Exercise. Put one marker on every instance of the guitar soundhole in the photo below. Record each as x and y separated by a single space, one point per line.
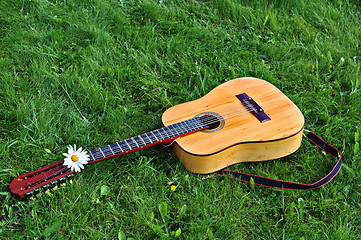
214 121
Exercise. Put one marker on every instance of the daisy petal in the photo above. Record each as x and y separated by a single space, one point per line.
80 165
83 156
82 161
67 161
76 167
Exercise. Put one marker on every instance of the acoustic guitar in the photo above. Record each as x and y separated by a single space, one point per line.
242 120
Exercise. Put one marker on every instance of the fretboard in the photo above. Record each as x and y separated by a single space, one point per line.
146 139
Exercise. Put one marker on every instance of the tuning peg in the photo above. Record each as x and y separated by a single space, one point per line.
29 193
54 182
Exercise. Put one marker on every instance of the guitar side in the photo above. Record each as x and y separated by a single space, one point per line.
242 137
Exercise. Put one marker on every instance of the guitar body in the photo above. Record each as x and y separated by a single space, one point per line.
238 135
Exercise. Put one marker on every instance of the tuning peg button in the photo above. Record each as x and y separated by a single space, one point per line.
29 193
54 182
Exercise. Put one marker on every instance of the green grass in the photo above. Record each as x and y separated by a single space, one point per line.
93 72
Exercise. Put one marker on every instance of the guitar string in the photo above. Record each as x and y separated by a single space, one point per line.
178 131
135 145
230 107
59 171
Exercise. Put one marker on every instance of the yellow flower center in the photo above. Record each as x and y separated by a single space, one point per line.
74 158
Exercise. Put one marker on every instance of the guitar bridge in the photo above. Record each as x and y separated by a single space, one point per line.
253 107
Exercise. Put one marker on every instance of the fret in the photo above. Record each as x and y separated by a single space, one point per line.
168 132
130 148
193 124
125 146
142 139
157 135
119 147
101 151
175 131
135 142
94 154
91 155
130 143
97 154
161 130
115 148
106 151
151 137
153 132
111 150
181 128
139 142
145 139
186 126
198 123
190 123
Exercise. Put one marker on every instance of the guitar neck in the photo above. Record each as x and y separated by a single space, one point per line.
163 135
45 177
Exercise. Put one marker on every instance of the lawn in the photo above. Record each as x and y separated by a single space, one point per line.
91 72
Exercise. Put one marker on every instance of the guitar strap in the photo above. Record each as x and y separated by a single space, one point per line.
273 183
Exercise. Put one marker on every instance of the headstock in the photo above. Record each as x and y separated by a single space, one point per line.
32 182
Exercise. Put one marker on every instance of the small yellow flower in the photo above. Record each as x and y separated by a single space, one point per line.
173 188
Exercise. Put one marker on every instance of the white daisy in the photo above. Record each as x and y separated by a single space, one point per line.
75 159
